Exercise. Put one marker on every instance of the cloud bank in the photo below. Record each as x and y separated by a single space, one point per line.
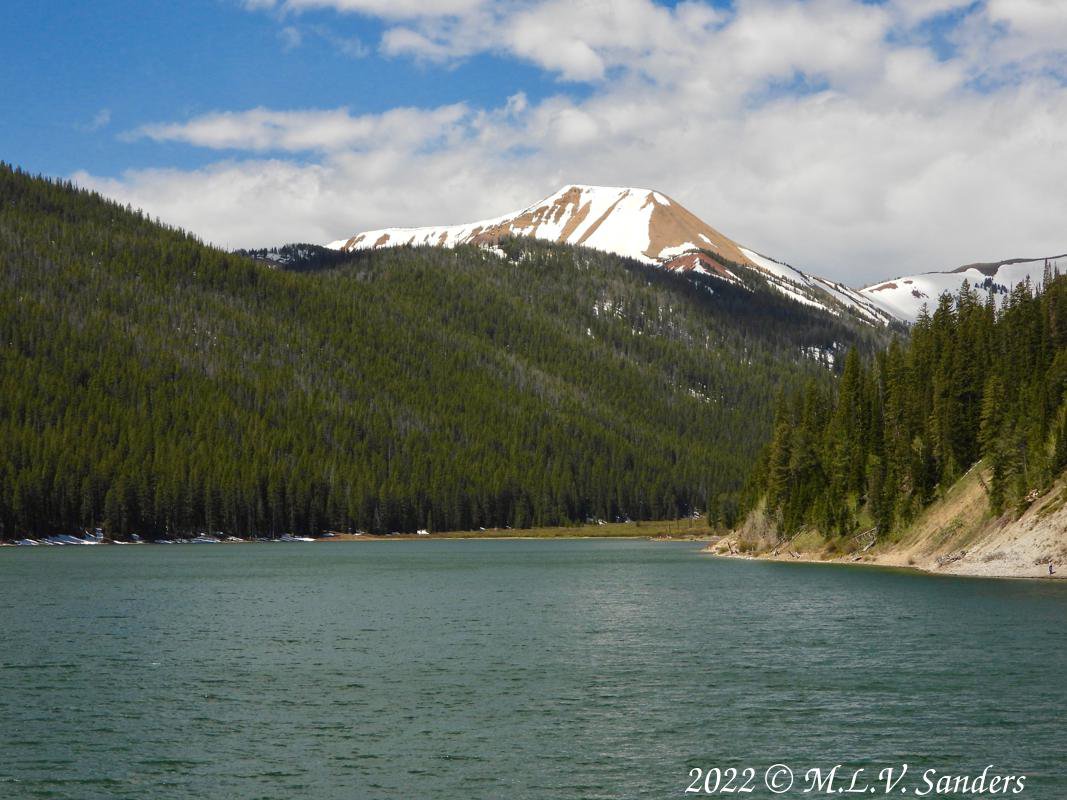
860 141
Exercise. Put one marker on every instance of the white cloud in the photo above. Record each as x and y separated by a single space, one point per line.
291 38
911 12
576 39
1043 18
391 9
1016 42
101 119
404 41
889 161
262 129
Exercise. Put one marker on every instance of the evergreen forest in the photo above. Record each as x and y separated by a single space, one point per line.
973 385
152 384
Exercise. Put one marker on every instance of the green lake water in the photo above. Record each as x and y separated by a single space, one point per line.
506 669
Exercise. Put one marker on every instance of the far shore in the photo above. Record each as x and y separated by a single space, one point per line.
657 530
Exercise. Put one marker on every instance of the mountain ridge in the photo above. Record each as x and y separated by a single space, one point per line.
650 226
905 296
643 224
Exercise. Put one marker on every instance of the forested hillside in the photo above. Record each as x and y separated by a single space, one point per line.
895 433
152 384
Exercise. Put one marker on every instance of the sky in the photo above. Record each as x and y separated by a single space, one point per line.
858 139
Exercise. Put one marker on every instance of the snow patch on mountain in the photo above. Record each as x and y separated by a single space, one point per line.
905 297
815 291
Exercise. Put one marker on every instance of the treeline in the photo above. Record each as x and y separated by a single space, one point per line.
972 382
154 385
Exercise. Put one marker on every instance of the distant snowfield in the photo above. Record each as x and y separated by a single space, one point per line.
648 226
905 297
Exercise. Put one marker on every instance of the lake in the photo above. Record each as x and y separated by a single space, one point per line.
507 669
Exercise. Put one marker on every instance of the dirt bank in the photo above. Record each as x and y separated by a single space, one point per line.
957 535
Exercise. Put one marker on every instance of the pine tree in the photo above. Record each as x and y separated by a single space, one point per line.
971 383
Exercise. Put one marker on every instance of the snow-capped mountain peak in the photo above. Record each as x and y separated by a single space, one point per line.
635 223
642 224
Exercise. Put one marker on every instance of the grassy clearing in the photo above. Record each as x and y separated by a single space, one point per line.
678 528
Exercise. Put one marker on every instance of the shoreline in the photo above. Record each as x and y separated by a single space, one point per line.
386 539
957 535
716 547
658 530
885 561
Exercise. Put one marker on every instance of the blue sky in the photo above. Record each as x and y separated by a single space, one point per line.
130 61
858 139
